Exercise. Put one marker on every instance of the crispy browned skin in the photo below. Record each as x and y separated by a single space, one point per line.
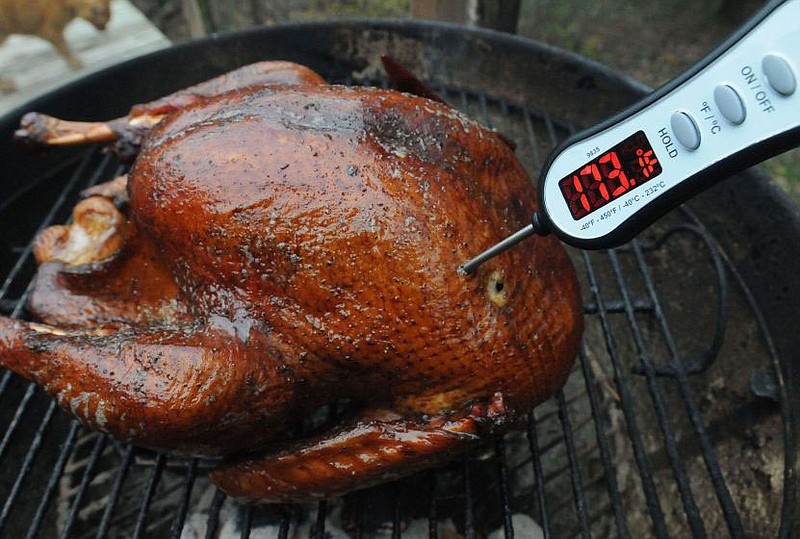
258 74
307 239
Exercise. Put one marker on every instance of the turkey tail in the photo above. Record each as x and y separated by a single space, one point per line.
403 80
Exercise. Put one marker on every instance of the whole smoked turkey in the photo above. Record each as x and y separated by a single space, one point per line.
280 245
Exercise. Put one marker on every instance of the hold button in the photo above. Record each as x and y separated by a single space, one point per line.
779 74
685 129
730 103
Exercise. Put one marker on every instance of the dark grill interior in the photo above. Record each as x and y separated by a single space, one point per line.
674 422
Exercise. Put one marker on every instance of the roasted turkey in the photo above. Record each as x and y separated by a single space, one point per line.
280 245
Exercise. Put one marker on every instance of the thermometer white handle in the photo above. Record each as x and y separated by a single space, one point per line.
738 106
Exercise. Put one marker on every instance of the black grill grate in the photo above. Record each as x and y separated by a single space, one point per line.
632 446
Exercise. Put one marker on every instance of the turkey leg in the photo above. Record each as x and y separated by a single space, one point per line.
371 449
188 390
42 130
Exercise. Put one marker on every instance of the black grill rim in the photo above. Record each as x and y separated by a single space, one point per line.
763 227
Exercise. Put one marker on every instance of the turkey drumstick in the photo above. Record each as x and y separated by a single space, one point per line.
39 129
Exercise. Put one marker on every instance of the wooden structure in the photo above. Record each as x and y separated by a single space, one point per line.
496 14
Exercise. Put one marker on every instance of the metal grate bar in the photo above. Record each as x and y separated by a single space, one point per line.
396 514
502 473
626 401
433 520
283 532
121 516
359 510
116 490
246 518
464 101
97 450
604 447
575 470
213 514
149 491
484 111
615 307
653 387
527 114
6 306
709 455
553 474
6 378
33 450
183 508
551 131
575 397
541 496
12 426
318 531
66 450
469 508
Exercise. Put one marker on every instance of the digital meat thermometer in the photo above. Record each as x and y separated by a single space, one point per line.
737 107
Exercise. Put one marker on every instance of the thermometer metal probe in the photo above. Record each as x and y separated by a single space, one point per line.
735 108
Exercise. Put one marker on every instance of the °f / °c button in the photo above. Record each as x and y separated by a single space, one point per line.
685 129
730 103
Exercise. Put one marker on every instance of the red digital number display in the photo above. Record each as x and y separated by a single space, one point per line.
613 173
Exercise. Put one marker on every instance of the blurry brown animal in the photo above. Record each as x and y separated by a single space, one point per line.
47 19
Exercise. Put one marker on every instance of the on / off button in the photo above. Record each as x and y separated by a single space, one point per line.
779 74
685 129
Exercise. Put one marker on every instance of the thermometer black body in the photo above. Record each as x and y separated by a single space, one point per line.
737 107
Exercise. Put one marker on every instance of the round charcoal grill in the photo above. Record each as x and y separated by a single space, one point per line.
677 419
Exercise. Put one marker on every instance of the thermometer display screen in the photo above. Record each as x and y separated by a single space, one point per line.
609 176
